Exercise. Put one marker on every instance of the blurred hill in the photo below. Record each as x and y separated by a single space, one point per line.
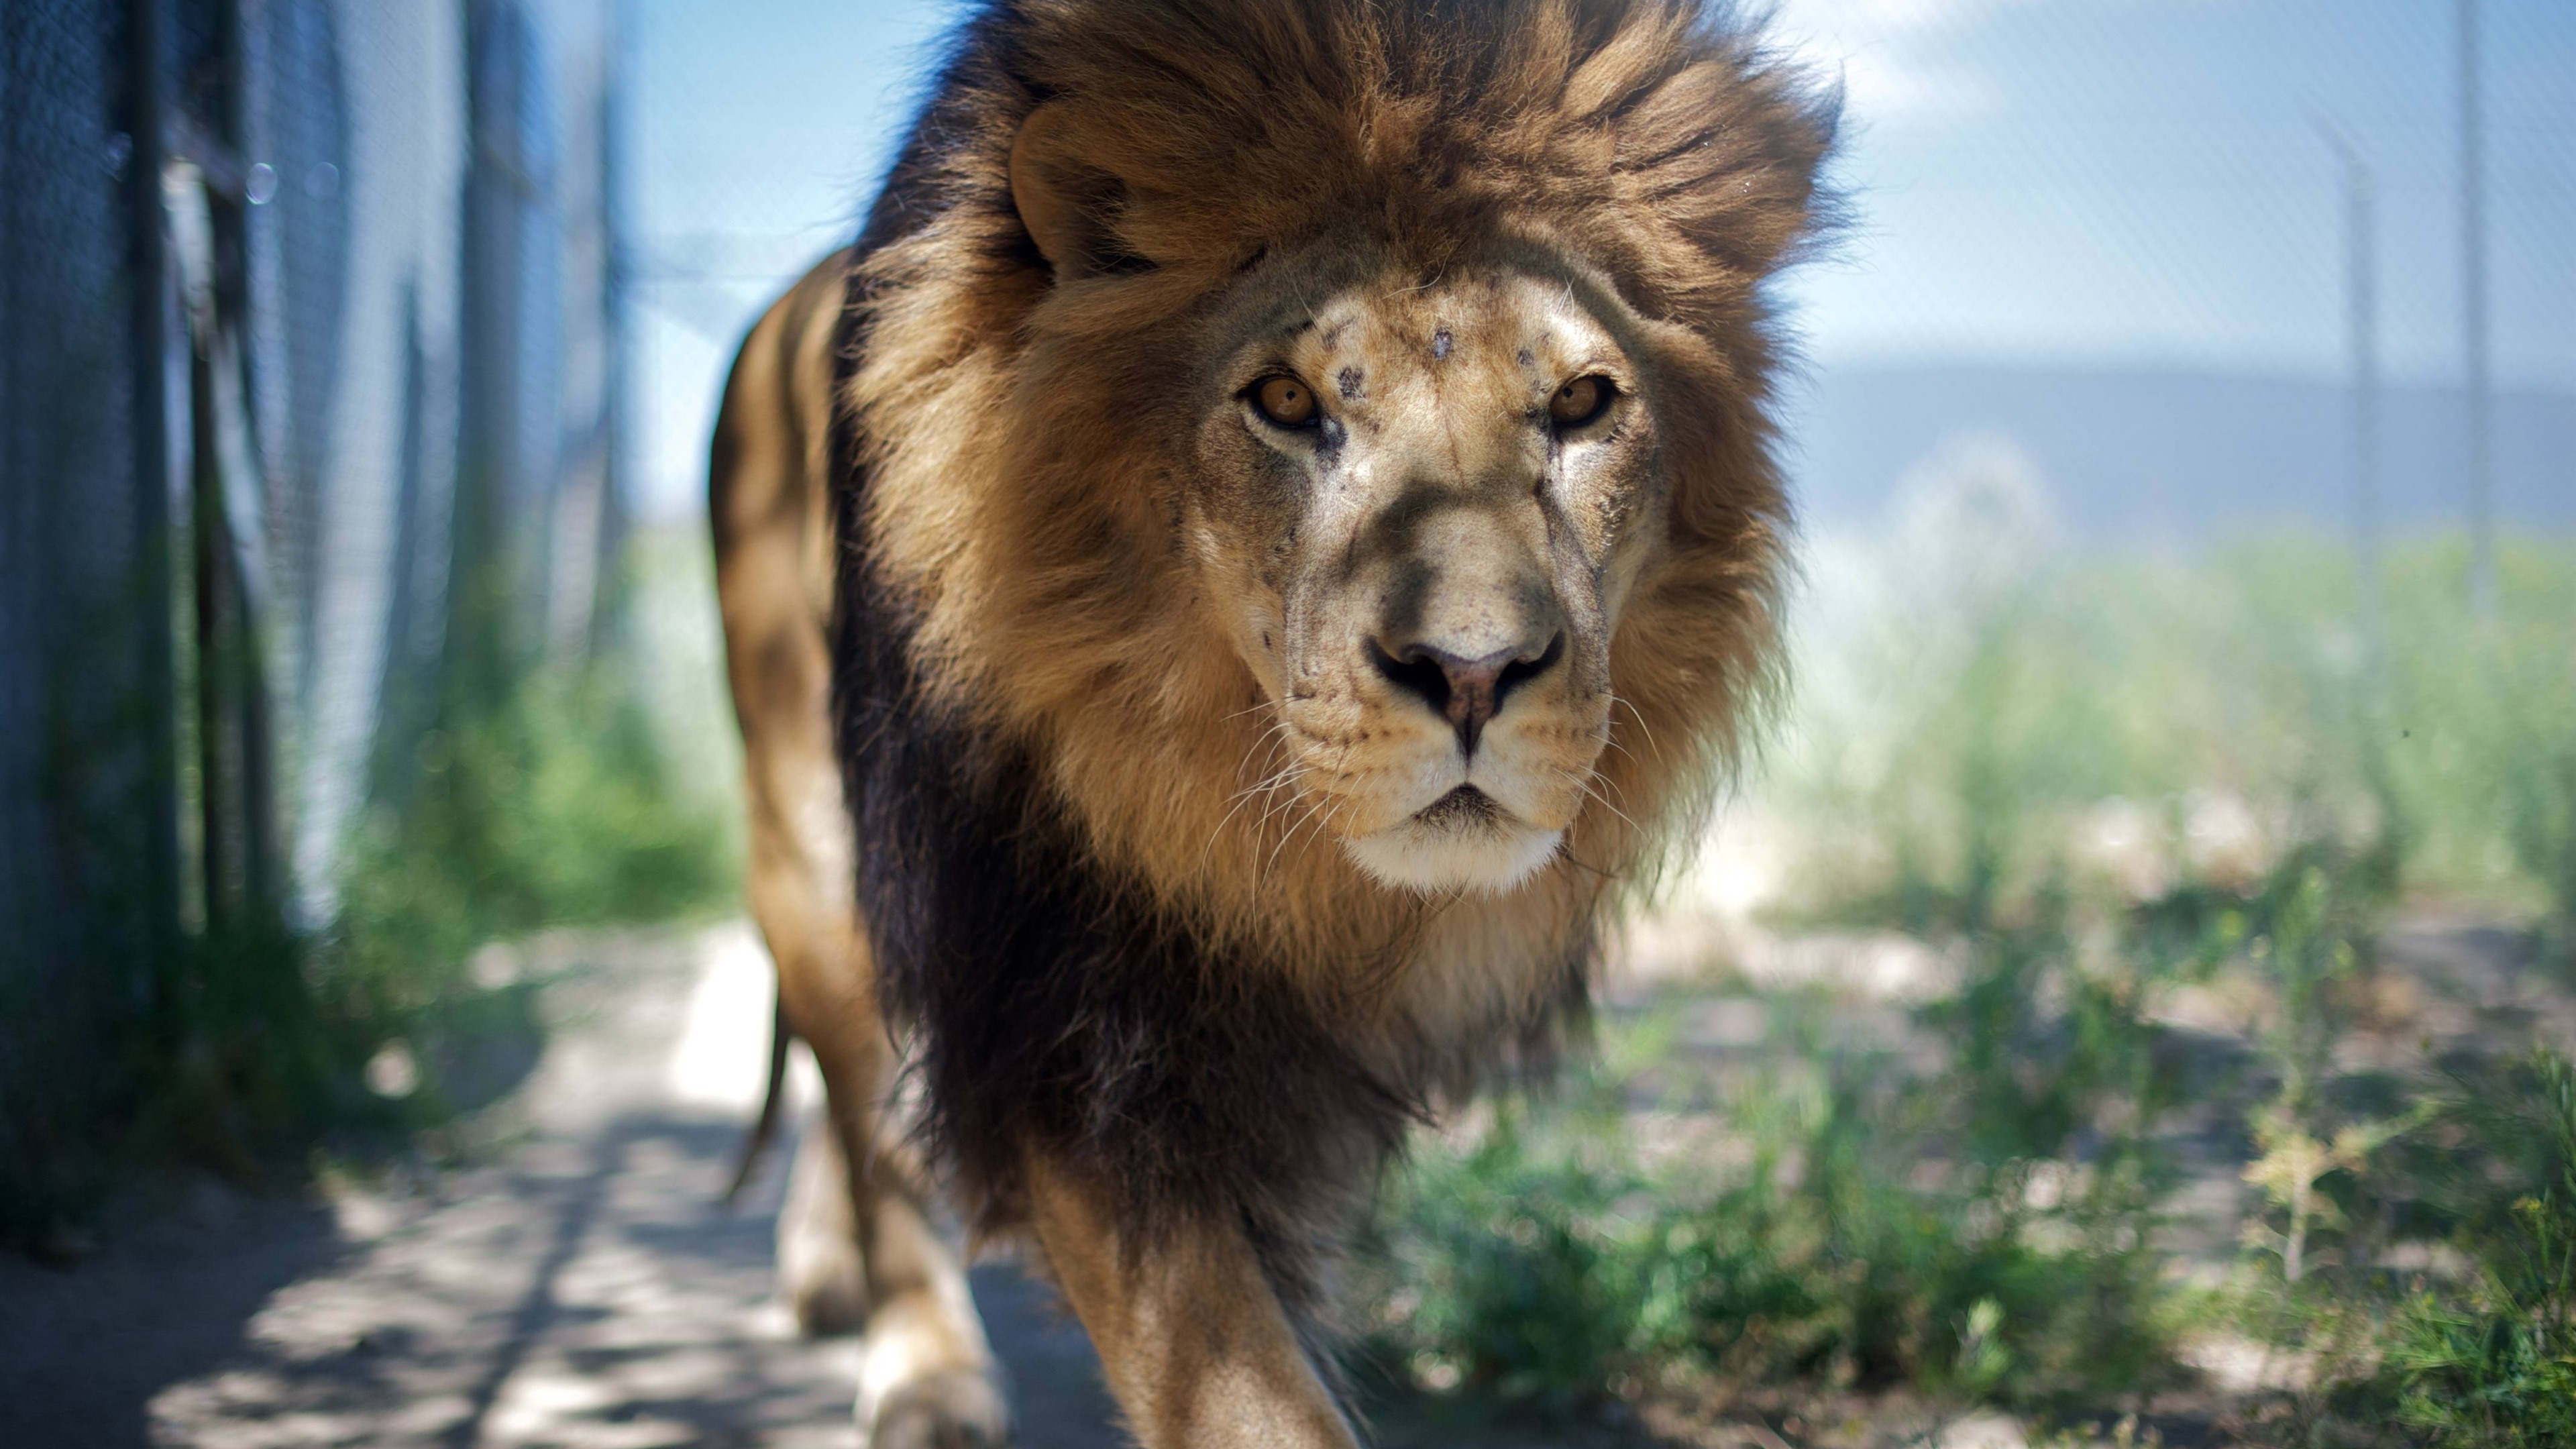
2175 457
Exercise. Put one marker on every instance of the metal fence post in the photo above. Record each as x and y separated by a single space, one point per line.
149 320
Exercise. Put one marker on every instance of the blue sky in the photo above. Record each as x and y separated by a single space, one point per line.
2054 182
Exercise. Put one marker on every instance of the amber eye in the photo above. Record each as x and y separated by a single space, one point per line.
1285 401
1579 401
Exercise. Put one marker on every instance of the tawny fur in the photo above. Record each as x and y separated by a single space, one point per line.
1031 574
1017 491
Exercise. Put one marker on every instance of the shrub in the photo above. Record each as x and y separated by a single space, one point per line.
2493 1361
1524 1282
552 809
1540 1268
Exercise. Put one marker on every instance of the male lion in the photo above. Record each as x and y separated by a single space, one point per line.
1265 538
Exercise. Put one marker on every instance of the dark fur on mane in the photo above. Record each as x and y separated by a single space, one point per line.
1055 1007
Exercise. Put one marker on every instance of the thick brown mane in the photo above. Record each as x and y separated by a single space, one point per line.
1020 439
1227 406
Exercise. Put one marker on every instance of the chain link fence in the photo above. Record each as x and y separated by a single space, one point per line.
309 406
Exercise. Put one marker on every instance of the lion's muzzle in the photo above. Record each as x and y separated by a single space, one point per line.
1468 650
1466 692
1469 616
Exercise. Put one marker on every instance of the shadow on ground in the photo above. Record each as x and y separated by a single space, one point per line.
83 1351
581 1288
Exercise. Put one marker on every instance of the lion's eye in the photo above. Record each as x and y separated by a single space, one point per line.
1285 401
1580 401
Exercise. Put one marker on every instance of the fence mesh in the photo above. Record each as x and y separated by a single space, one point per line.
377 299
70 772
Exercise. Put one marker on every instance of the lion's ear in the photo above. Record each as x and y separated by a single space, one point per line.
1068 204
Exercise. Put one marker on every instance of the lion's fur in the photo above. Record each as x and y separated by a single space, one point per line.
1014 525
1024 512
1046 742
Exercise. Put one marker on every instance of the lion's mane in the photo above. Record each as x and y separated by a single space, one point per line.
1041 735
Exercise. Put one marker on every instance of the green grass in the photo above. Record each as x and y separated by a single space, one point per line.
2492 1361
1996 1227
1989 1230
1945 755
555 804
1973 1233
555 809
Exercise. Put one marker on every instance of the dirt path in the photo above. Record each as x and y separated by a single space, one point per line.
582 1290
579 1290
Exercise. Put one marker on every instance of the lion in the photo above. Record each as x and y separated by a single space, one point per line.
1266 540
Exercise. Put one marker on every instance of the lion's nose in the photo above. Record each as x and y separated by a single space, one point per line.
1466 692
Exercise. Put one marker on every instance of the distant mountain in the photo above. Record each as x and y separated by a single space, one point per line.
2176 457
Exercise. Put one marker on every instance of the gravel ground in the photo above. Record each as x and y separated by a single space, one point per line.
580 1288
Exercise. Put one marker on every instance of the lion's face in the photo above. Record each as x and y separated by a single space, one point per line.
1421 508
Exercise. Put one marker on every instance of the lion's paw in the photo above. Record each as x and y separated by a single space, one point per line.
825 1296
956 1409
822 1277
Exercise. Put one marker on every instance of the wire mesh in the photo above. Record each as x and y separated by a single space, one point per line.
390 293
71 779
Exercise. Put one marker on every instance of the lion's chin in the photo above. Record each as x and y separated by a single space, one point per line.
1463 841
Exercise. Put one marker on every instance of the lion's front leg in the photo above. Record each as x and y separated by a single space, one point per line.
927 1379
1191 1337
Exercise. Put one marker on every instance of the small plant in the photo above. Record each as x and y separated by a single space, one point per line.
1524 1284
2494 1363
2306 933
551 809
252 1040
1541 1268
2291 1170
2024 1280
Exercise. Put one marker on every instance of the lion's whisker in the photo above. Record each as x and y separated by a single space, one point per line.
1321 816
1604 802
1273 739
1643 727
1254 707
1268 787
1309 808
1599 779
1267 790
1269 739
